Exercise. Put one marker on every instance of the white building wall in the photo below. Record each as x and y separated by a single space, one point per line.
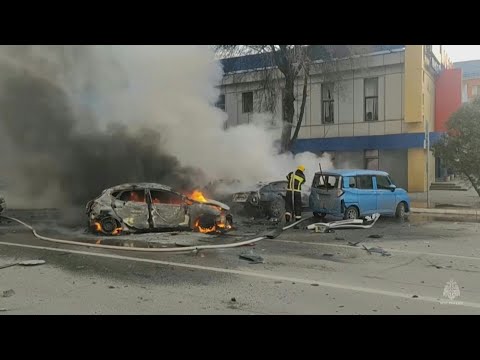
349 100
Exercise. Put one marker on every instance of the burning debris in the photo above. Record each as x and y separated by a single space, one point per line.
149 207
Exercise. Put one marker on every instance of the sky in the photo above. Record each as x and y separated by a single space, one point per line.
463 52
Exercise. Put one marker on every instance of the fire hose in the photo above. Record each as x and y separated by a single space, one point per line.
172 249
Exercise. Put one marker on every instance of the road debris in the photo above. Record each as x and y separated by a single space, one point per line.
233 299
8 293
250 256
24 263
375 236
329 255
353 244
415 296
378 250
367 223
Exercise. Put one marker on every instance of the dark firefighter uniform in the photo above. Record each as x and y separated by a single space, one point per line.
293 199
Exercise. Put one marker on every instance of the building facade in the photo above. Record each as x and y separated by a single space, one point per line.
375 113
471 79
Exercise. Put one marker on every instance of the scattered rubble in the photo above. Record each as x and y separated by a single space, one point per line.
378 250
250 256
24 263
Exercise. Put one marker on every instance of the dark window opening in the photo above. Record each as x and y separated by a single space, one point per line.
371 99
326 181
328 102
247 102
365 182
383 183
165 197
352 182
221 102
136 196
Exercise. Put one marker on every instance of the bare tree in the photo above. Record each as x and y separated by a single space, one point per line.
290 62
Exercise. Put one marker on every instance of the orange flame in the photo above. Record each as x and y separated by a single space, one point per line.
204 230
198 196
98 228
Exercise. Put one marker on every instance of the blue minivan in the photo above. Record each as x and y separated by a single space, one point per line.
357 193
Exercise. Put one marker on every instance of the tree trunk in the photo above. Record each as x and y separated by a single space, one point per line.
302 112
288 105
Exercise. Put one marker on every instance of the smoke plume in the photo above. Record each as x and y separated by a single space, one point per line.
75 120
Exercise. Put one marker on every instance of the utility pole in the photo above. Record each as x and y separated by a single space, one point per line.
427 146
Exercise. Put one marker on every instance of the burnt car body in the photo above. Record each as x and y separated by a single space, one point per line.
149 207
267 199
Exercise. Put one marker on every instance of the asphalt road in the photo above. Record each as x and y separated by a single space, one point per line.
302 273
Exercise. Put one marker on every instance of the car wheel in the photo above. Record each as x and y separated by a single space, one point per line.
109 225
401 210
351 213
276 208
319 215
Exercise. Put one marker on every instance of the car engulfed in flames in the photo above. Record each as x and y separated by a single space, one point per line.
149 207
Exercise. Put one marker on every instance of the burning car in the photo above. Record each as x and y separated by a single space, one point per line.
148 207
267 199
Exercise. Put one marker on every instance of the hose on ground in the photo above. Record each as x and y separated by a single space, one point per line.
172 249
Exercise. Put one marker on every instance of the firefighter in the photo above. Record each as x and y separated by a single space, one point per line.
293 199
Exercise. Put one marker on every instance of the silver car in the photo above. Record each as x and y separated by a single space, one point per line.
147 207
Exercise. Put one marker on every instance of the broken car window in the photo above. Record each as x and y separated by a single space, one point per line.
165 197
326 181
136 196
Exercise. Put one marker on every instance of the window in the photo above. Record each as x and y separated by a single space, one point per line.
383 182
326 181
165 197
371 99
365 182
476 90
352 182
371 159
221 102
136 196
328 103
247 102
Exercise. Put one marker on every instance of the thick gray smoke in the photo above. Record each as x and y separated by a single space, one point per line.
56 149
77 119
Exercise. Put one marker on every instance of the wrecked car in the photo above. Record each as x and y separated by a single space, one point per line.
352 194
3 204
267 199
149 207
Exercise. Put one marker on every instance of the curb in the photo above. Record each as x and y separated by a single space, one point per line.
446 211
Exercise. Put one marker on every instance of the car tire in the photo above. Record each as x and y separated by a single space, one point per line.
276 208
351 213
400 211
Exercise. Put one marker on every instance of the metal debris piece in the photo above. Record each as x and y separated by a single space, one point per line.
250 256
24 263
8 293
378 250
367 223
375 236
353 244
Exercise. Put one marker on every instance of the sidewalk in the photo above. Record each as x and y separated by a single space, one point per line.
446 202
